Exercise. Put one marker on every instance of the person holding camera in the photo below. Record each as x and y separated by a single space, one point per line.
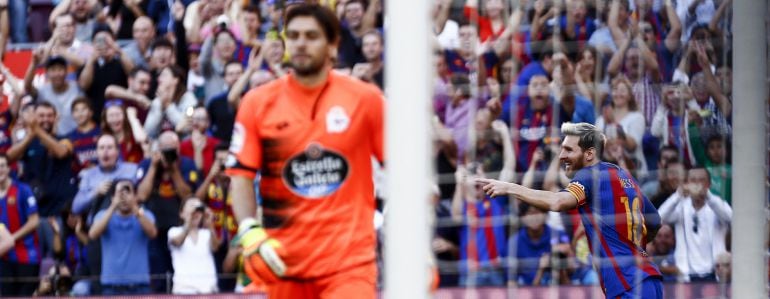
167 180
700 220
192 245
125 229
108 65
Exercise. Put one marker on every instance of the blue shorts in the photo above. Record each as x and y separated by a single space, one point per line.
650 288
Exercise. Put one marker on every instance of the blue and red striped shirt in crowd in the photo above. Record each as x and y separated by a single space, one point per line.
616 217
16 207
483 238
535 129
84 148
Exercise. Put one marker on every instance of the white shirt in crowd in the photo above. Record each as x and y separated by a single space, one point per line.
696 253
194 269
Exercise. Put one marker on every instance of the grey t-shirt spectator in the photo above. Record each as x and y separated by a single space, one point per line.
63 103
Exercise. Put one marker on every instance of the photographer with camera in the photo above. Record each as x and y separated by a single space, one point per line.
701 221
214 191
108 65
192 245
125 229
167 180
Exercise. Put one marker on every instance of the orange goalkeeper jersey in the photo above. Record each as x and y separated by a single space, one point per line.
313 147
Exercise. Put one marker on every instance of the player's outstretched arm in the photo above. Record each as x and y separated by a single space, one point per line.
547 200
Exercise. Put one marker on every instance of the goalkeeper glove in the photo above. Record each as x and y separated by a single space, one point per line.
261 254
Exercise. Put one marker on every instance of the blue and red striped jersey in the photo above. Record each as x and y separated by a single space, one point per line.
84 148
16 207
616 217
483 238
535 128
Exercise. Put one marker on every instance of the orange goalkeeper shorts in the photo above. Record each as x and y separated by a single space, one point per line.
358 282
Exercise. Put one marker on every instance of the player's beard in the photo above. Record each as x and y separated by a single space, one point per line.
313 66
574 166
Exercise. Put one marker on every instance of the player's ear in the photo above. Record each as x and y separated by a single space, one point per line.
333 51
590 154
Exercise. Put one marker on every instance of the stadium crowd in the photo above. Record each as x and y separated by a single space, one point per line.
112 157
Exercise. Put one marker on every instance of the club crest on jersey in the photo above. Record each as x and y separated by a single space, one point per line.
337 120
315 173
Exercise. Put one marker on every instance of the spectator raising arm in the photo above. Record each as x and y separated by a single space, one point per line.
673 38
542 14
144 190
712 86
15 85
458 198
555 178
137 130
256 57
100 223
4 24
671 209
20 145
714 23
612 22
616 62
502 45
120 92
529 176
60 9
369 20
649 58
508 173
442 15
38 56
147 224
182 54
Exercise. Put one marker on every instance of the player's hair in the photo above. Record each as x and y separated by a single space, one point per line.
323 15
590 136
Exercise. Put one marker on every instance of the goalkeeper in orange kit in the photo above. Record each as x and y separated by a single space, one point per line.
311 135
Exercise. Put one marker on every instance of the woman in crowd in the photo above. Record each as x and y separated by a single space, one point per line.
127 129
622 120
171 104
